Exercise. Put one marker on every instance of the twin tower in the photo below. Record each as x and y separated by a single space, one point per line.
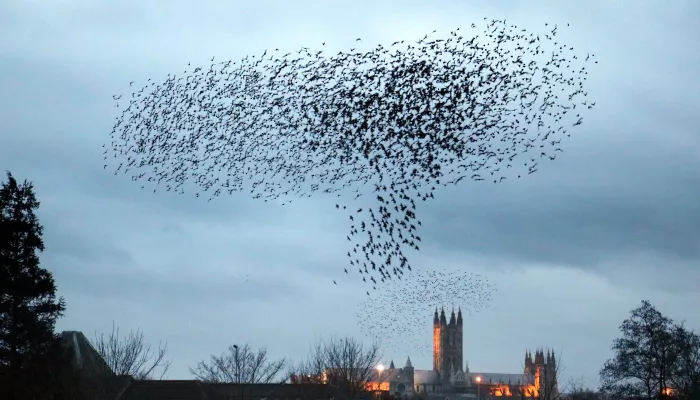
447 343
448 350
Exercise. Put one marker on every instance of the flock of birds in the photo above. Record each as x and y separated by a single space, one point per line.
400 315
391 122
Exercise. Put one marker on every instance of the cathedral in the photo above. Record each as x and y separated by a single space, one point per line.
451 378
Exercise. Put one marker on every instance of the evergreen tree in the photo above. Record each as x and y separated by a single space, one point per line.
28 304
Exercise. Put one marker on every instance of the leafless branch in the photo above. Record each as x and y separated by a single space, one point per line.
345 363
240 365
543 382
578 391
131 355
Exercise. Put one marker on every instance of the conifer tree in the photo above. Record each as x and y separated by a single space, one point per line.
28 304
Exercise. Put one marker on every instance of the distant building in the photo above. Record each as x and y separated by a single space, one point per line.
451 378
448 380
87 360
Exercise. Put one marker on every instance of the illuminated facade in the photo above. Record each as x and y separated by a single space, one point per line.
451 378
447 342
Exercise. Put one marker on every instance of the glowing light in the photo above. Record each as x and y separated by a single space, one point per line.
478 379
380 368
500 391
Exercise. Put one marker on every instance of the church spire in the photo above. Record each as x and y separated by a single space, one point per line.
391 365
527 358
443 319
408 363
436 320
452 317
459 316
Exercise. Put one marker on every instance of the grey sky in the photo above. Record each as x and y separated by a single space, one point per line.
614 220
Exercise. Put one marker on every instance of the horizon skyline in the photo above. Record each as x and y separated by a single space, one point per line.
555 259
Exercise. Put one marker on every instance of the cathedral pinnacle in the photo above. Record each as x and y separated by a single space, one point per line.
408 363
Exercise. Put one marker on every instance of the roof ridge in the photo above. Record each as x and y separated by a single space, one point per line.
78 336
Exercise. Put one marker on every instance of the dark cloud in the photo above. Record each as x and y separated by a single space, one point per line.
626 187
613 220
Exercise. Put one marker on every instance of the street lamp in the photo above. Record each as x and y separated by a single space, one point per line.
478 387
235 346
380 368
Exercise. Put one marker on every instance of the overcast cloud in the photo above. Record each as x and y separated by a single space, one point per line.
614 220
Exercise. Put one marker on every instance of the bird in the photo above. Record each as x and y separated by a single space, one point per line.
386 126
413 302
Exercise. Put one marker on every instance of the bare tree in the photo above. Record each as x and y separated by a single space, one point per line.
685 378
578 391
240 365
310 371
242 373
542 379
131 355
345 363
654 358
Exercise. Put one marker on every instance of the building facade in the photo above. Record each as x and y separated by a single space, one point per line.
451 378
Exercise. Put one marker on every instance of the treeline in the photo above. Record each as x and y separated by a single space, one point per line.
654 357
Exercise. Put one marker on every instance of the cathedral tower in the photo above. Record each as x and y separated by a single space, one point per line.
447 343
542 370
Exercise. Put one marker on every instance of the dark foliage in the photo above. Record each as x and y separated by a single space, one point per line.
28 304
654 358
394 121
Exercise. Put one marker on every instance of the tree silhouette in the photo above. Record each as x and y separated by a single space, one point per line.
345 363
28 304
131 355
654 358
240 365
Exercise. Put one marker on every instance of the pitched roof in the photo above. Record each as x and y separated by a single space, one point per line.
83 355
426 377
386 375
495 378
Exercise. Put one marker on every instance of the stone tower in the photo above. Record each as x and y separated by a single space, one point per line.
410 374
542 369
447 343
